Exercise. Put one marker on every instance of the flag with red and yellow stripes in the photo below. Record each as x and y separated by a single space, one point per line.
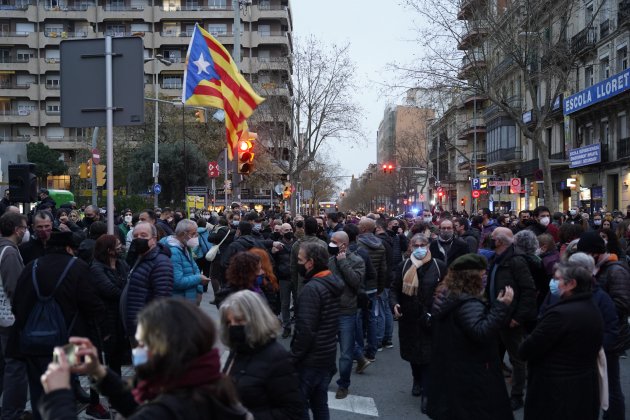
212 79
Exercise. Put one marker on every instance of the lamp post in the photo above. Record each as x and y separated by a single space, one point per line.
156 165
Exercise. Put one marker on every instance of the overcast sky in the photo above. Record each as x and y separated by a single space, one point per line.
379 32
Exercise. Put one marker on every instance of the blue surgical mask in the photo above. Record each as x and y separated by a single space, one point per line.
420 252
139 356
257 226
553 287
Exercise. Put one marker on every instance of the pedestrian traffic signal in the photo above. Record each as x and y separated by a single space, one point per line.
200 116
388 168
245 152
100 175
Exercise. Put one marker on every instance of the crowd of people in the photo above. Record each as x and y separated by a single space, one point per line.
538 299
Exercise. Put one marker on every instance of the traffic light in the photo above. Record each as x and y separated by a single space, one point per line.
286 193
245 153
85 171
200 116
388 168
22 183
463 202
100 175
440 192
534 188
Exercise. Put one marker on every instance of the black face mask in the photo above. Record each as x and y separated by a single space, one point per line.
288 236
276 236
301 270
139 245
237 336
333 250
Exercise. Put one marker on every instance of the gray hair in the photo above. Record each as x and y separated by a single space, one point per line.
154 232
583 260
184 225
419 237
526 241
261 325
316 252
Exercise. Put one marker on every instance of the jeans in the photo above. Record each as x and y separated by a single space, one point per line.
314 388
347 349
286 290
616 405
372 328
512 339
35 368
388 319
15 383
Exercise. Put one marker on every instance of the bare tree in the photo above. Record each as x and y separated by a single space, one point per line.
518 54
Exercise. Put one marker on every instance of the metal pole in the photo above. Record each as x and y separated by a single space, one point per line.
94 191
225 162
109 103
474 203
236 54
185 161
156 165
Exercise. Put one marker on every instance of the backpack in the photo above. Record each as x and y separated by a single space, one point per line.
45 326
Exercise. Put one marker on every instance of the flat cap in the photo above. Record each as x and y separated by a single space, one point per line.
469 262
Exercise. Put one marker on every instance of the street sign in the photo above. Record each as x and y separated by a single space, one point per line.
476 183
499 183
515 185
96 156
157 188
197 190
476 194
278 188
213 170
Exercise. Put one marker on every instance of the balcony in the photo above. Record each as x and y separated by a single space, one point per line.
585 40
623 13
472 34
15 115
15 139
191 11
558 156
623 148
528 167
466 9
470 127
470 64
504 155
502 68
67 142
604 29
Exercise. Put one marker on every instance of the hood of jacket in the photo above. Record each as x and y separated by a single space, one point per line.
330 282
370 240
249 240
386 238
172 242
444 302
7 242
471 232
160 248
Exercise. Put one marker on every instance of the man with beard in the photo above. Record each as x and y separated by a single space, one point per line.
447 247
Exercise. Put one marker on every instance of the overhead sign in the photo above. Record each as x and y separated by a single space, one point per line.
598 92
587 155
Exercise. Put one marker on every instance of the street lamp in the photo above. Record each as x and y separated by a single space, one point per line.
156 165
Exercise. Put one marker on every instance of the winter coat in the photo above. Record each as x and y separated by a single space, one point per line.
539 229
314 342
10 266
217 270
549 259
458 248
186 274
150 278
378 258
486 231
471 237
388 243
282 259
466 378
614 278
511 269
166 228
76 297
370 272
415 337
31 250
240 244
266 381
61 404
351 270
399 247
562 361
109 284
540 277
296 280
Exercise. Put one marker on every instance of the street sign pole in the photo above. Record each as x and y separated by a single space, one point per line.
109 116
94 195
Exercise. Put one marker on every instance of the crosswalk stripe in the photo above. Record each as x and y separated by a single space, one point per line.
353 404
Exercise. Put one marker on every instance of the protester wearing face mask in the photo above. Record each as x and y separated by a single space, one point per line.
36 246
282 259
542 223
572 327
411 299
258 365
448 247
177 371
151 273
188 281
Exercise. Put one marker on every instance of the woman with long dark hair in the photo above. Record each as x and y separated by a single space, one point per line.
241 275
177 370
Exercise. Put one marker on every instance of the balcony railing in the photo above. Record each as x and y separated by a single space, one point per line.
12 60
197 7
63 35
584 40
13 6
73 8
20 33
528 167
15 138
175 33
504 155
12 85
122 8
623 148
171 85
13 112
558 156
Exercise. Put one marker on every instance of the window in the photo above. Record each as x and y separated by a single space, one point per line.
589 15
264 30
24 55
172 82
115 30
604 132
604 68
52 83
622 59
52 108
264 5
218 4
217 29
5 28
191 5
588 77
588 135
622 127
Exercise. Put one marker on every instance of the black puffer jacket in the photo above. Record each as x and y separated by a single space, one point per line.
109 284
266 381
458 247
415 338
314 341
282 258
242 243
466 379
217 270
378 258
388 243
351 270
614 279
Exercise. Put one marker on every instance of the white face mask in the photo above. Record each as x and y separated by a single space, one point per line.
128 219
597 222
428 219
572 212
544 221
193 242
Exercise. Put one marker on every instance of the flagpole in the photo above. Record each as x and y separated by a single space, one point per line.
236 55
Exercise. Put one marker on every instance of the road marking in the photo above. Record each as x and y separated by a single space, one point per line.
353 404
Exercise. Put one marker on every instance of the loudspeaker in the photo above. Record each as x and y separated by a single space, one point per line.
22 183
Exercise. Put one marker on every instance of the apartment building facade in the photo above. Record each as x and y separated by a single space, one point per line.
31 31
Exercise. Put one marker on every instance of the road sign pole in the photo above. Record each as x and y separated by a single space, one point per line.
109 114
94 195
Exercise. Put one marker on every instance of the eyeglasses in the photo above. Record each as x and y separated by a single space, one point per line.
417 245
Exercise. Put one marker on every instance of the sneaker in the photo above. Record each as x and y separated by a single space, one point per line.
362 364
624 355
516 403
286 333
98 411
380 348
341 393
371 359
388 344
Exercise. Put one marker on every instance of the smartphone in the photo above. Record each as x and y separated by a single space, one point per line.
71 354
